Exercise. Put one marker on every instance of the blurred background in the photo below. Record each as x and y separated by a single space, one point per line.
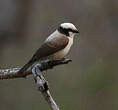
90 82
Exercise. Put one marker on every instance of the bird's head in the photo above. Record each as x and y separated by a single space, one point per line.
68 29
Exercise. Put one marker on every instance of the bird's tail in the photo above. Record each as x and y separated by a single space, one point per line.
25 67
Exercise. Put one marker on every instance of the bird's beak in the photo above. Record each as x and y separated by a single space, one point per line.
76 31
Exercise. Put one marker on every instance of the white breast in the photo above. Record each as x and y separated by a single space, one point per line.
62 53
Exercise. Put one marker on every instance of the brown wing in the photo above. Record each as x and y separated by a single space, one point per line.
50 47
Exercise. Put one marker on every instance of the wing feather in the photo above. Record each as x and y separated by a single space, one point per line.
50 47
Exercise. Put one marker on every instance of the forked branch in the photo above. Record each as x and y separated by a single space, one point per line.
38 77
43 87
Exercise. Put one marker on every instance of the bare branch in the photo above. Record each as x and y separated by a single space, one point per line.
48 64
38 77
43 87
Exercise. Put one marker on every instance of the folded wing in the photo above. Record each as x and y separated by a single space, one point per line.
48 48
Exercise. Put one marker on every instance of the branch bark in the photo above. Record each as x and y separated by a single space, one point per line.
38 77
45 65
43 87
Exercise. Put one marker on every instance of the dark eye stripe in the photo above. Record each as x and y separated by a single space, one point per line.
63 31
70 30
66 31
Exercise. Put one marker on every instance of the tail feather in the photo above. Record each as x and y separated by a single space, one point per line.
25 67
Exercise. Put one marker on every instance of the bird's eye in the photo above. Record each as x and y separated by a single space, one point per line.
63 31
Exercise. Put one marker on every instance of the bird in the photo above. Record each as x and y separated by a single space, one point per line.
56 46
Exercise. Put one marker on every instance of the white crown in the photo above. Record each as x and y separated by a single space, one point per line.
68 26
